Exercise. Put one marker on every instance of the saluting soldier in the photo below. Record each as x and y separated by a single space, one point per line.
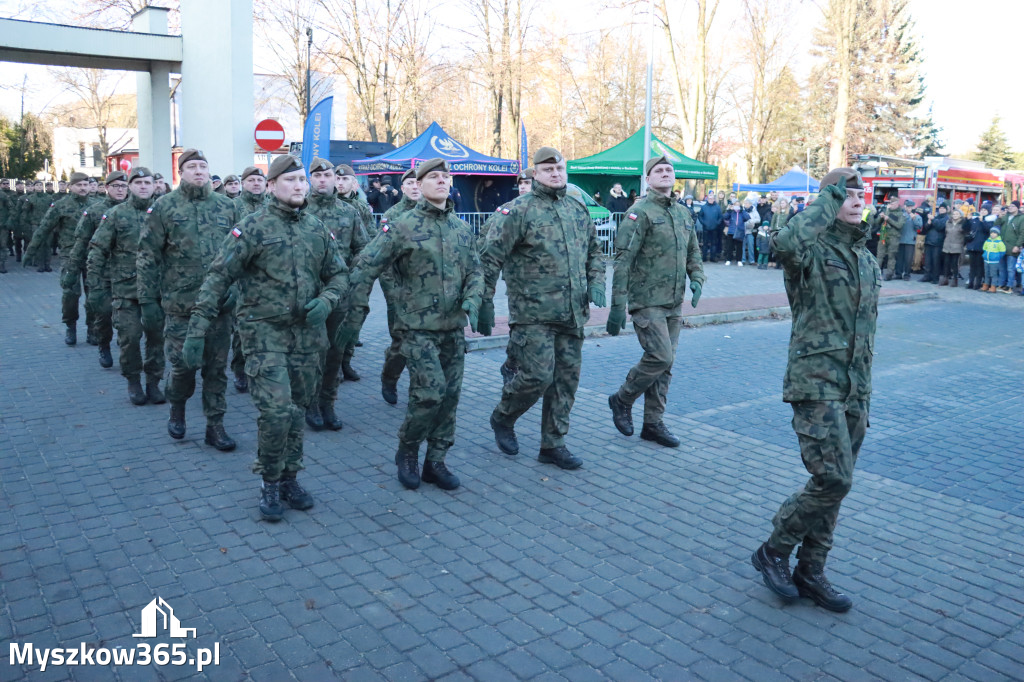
432 255
112 253
547 248
656 249
182 236
290 276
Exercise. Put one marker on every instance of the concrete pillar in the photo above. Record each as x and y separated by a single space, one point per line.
217 109
153 99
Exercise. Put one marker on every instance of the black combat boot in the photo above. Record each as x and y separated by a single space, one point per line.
90 337
389 392
560 457
71 335
135 393
347 372
217 437
314 418
106 361
241 382
408 460
809 578
437 473
505 437
176 424
622 415
271 507
660 434
153 392
774 568
330 419
294 494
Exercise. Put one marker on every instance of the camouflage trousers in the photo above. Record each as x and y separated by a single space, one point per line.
237 357
888 251
5 242
657 330
327 385
128 321
70 296
394 361
830 434
282 386
181 384
436 361
102 325
549 358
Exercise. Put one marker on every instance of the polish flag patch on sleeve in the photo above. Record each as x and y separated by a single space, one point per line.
384 227
236 233
632 216
149 210
505 211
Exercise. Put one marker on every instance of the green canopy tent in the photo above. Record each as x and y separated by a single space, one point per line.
624 162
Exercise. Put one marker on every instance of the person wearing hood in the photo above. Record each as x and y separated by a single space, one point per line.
934 238
617 201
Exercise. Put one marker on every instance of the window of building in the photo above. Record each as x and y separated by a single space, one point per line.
97 156
81 154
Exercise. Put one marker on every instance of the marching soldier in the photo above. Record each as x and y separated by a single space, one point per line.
350 243
251 199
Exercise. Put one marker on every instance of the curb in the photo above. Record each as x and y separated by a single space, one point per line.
691 321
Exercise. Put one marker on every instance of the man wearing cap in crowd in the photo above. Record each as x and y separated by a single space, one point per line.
159 186
547 249
908 239
7 213
655 250
217 184
891 222
1011 226
35 205
253 196
60 221
394 361
19 239
437 279
111 257
350 243
832 282
290 276
98 310
232 187
178 243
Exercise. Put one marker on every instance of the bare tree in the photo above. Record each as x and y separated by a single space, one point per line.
118 13
283 24
98 105
691 78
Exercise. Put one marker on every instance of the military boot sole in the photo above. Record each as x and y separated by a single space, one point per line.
621 417
314 419
222 445
512 446
820 599
390 393
409 480
568 463
787 597
443 483
272 515
175 431
668 442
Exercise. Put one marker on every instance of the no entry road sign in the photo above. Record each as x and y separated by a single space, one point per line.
269 134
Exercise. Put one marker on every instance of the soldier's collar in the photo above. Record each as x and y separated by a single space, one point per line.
249 196
286 211
190 191
659 198
425 205
848 233
548 192
139 202
323 199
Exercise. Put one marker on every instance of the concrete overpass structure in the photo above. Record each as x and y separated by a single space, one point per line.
213 56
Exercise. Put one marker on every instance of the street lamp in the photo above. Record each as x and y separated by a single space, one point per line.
309 49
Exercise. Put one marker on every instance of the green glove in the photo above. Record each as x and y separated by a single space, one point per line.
317 311
597 295
229 300
152 317
695 288
485 318
616 320
473 313
68 278
836 191
346 334
192 351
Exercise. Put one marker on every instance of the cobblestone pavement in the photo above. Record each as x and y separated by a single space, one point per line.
634 567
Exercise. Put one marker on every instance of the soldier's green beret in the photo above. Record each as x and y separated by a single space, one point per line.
431 165
853 179
284 164
344 169
319 164
140 172
651 163
158 176
526 174
190 155
75 177
230 178
547 155
114 177
411 173
252 170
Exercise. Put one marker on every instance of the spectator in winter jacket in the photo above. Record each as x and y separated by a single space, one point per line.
753 220
1011 226
934 236
735 230
382 195
975 242
617 201
952 247
995 252
488 196
711 222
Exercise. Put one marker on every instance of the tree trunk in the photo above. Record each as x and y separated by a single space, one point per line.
844 63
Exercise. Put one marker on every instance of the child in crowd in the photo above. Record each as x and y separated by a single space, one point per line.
762 245
994 250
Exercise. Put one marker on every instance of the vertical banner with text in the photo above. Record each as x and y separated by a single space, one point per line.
524 158
316 137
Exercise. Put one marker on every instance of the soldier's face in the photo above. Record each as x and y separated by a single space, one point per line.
232 188
117 190
1011 209
37 187
322 181
290 188
142 188
347 184
853 208
81 188
662 178
434 186
525 186
62 186
255 184
195 172
551 175
5 185
411 189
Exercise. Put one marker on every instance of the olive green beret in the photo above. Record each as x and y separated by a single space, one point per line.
75 177
190 155
252 170
526 173
230 178
654 162
319 164
547 155
431 165
411 173
115 176
158 176
284 164
344 169
853 179
140 172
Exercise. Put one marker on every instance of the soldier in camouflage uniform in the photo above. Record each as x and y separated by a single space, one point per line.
432 255
98 310
341 219
18 233
891 222
655 249
547 247
112 253
177 245
350 243
832 282
394 361
41 201
60 220
252 199
7 219
289 277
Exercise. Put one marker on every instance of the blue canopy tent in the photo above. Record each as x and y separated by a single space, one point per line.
793 181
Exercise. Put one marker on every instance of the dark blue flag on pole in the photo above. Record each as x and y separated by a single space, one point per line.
524 156
316 137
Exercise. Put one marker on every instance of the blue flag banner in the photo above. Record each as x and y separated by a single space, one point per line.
316 137
524 154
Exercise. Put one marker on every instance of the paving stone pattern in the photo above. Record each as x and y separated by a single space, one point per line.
635 567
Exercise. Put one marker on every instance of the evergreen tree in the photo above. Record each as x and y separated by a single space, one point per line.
928 138
24 147
993 149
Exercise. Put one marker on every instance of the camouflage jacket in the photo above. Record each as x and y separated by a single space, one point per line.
547 247
403 206
8 211
248 203
891 225
342 219
178 243
281 258
362 231
33 208
1011 231
86 228
655 249
492 220
115 245
61 217
432 255
832 282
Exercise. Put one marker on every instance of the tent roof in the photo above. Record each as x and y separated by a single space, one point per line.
627 158
433 143
793 181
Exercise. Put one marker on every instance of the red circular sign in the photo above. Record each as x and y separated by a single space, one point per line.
269 134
